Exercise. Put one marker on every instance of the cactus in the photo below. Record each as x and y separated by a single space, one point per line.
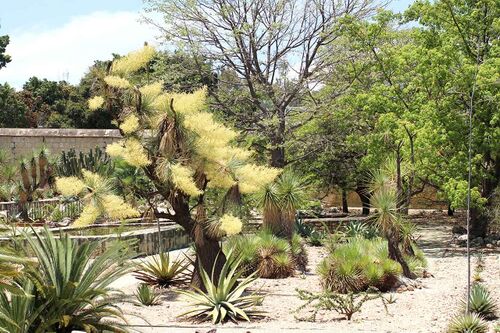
36 178
96 160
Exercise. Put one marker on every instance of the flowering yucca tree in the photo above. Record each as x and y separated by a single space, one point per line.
185 152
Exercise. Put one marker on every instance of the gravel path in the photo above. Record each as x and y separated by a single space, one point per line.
425 310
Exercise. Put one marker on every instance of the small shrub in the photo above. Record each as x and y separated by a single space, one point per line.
357 265
481 301
302 228
316 238
360 229
224 300
163 272
274 258
147 295
270 256
344 304
468 323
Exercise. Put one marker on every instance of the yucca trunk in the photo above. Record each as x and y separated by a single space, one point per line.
210 257
271 218
396 255
25 177
42 168
208 250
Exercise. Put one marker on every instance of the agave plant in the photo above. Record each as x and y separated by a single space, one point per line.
71 288
10 269
468 323
147 295
481 301
225 300
163 272
19 312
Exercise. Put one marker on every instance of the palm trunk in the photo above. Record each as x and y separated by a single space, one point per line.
396 255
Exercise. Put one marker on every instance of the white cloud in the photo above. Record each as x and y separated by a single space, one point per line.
66 52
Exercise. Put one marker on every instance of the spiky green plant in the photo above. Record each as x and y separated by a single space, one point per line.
72 288
270 256
357 266
280 201
360 229
274 257
467 323
10 268
481 301
146 295
225 300
162 271
96 160
19 312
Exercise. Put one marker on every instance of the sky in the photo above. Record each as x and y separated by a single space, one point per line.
60 39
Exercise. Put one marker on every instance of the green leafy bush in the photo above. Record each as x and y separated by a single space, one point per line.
224 300
357 265
66 288
163 272
147 295
468 323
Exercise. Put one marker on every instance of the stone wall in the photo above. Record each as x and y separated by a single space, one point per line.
21 142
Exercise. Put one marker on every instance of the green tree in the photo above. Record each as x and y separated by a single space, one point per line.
422 81
12 108
271 54
4 58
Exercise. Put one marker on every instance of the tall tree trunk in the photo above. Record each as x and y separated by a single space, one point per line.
345 205
209 256
396 255
278 142
479 217
278 157
365 199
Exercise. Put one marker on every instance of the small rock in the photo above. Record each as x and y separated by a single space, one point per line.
410 288
489 245
498 242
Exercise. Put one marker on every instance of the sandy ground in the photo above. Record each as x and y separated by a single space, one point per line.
423 310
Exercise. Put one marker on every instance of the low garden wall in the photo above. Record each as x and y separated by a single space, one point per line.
144 241
21 142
